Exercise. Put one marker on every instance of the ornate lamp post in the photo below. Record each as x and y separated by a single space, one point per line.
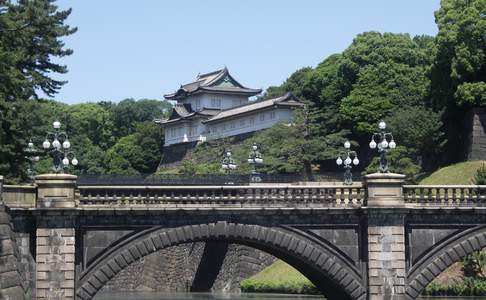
228 163
255 159
351 158
384 141
59 148
31 154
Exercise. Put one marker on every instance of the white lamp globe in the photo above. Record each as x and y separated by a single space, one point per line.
66 144
228 153
258 160
347 145
74 161
347 161
30 145
56 124
372 144
36 158
355 161
254 147
232 166
339 161
225 166
65 161
46 144
250 161
382 125
56 144
392 144
384 144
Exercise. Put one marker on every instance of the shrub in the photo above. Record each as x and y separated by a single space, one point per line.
480 176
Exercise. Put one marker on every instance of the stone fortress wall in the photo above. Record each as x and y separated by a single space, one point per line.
13 268
174 270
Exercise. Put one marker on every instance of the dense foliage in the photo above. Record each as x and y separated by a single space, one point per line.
480 176
30 37
108 138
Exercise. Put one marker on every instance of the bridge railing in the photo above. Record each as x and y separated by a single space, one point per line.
277 195
20 196
445 195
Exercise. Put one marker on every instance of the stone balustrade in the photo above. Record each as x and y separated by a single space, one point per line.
229 196
25 196
445 195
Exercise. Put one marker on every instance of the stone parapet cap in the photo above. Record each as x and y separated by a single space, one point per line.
385 178
56 179
385 175
54 176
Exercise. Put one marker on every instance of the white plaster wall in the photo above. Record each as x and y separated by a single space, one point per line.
244 125
206 100
261 120
227 101
193 131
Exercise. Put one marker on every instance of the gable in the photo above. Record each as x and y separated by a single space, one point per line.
227 81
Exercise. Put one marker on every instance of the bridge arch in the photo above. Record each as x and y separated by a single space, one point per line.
443 256
324 267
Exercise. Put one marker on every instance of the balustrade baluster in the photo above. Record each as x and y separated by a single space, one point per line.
441 196
339 196
353 197
481 194
467 196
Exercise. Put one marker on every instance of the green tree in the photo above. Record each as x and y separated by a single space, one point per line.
128 113
460 57
420 130
399 161
93 121
458 71
30 37
294 84
139 152
381 72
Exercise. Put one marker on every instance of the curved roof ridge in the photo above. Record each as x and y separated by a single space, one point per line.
199 76
210 81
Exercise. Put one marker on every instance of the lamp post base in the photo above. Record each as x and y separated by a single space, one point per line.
255 178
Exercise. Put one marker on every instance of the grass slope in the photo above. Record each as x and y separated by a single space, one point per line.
460 173
451 282
278 278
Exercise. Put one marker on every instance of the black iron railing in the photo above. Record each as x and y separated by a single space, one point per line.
176 179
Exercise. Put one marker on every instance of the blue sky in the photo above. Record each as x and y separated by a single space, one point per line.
147 48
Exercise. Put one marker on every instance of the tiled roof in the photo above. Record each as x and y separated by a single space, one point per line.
184 112
210 82
286 100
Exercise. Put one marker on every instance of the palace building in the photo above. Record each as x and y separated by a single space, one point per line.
215 105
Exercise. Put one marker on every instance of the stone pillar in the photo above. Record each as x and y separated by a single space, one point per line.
385 189
386 237
55 190
55 236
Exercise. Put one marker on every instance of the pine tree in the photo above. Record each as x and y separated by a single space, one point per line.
30 36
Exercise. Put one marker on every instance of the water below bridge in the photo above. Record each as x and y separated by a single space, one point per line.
208 296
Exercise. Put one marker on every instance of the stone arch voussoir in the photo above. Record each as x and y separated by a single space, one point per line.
271 239
443 256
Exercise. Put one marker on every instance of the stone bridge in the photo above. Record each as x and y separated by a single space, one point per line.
379 239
